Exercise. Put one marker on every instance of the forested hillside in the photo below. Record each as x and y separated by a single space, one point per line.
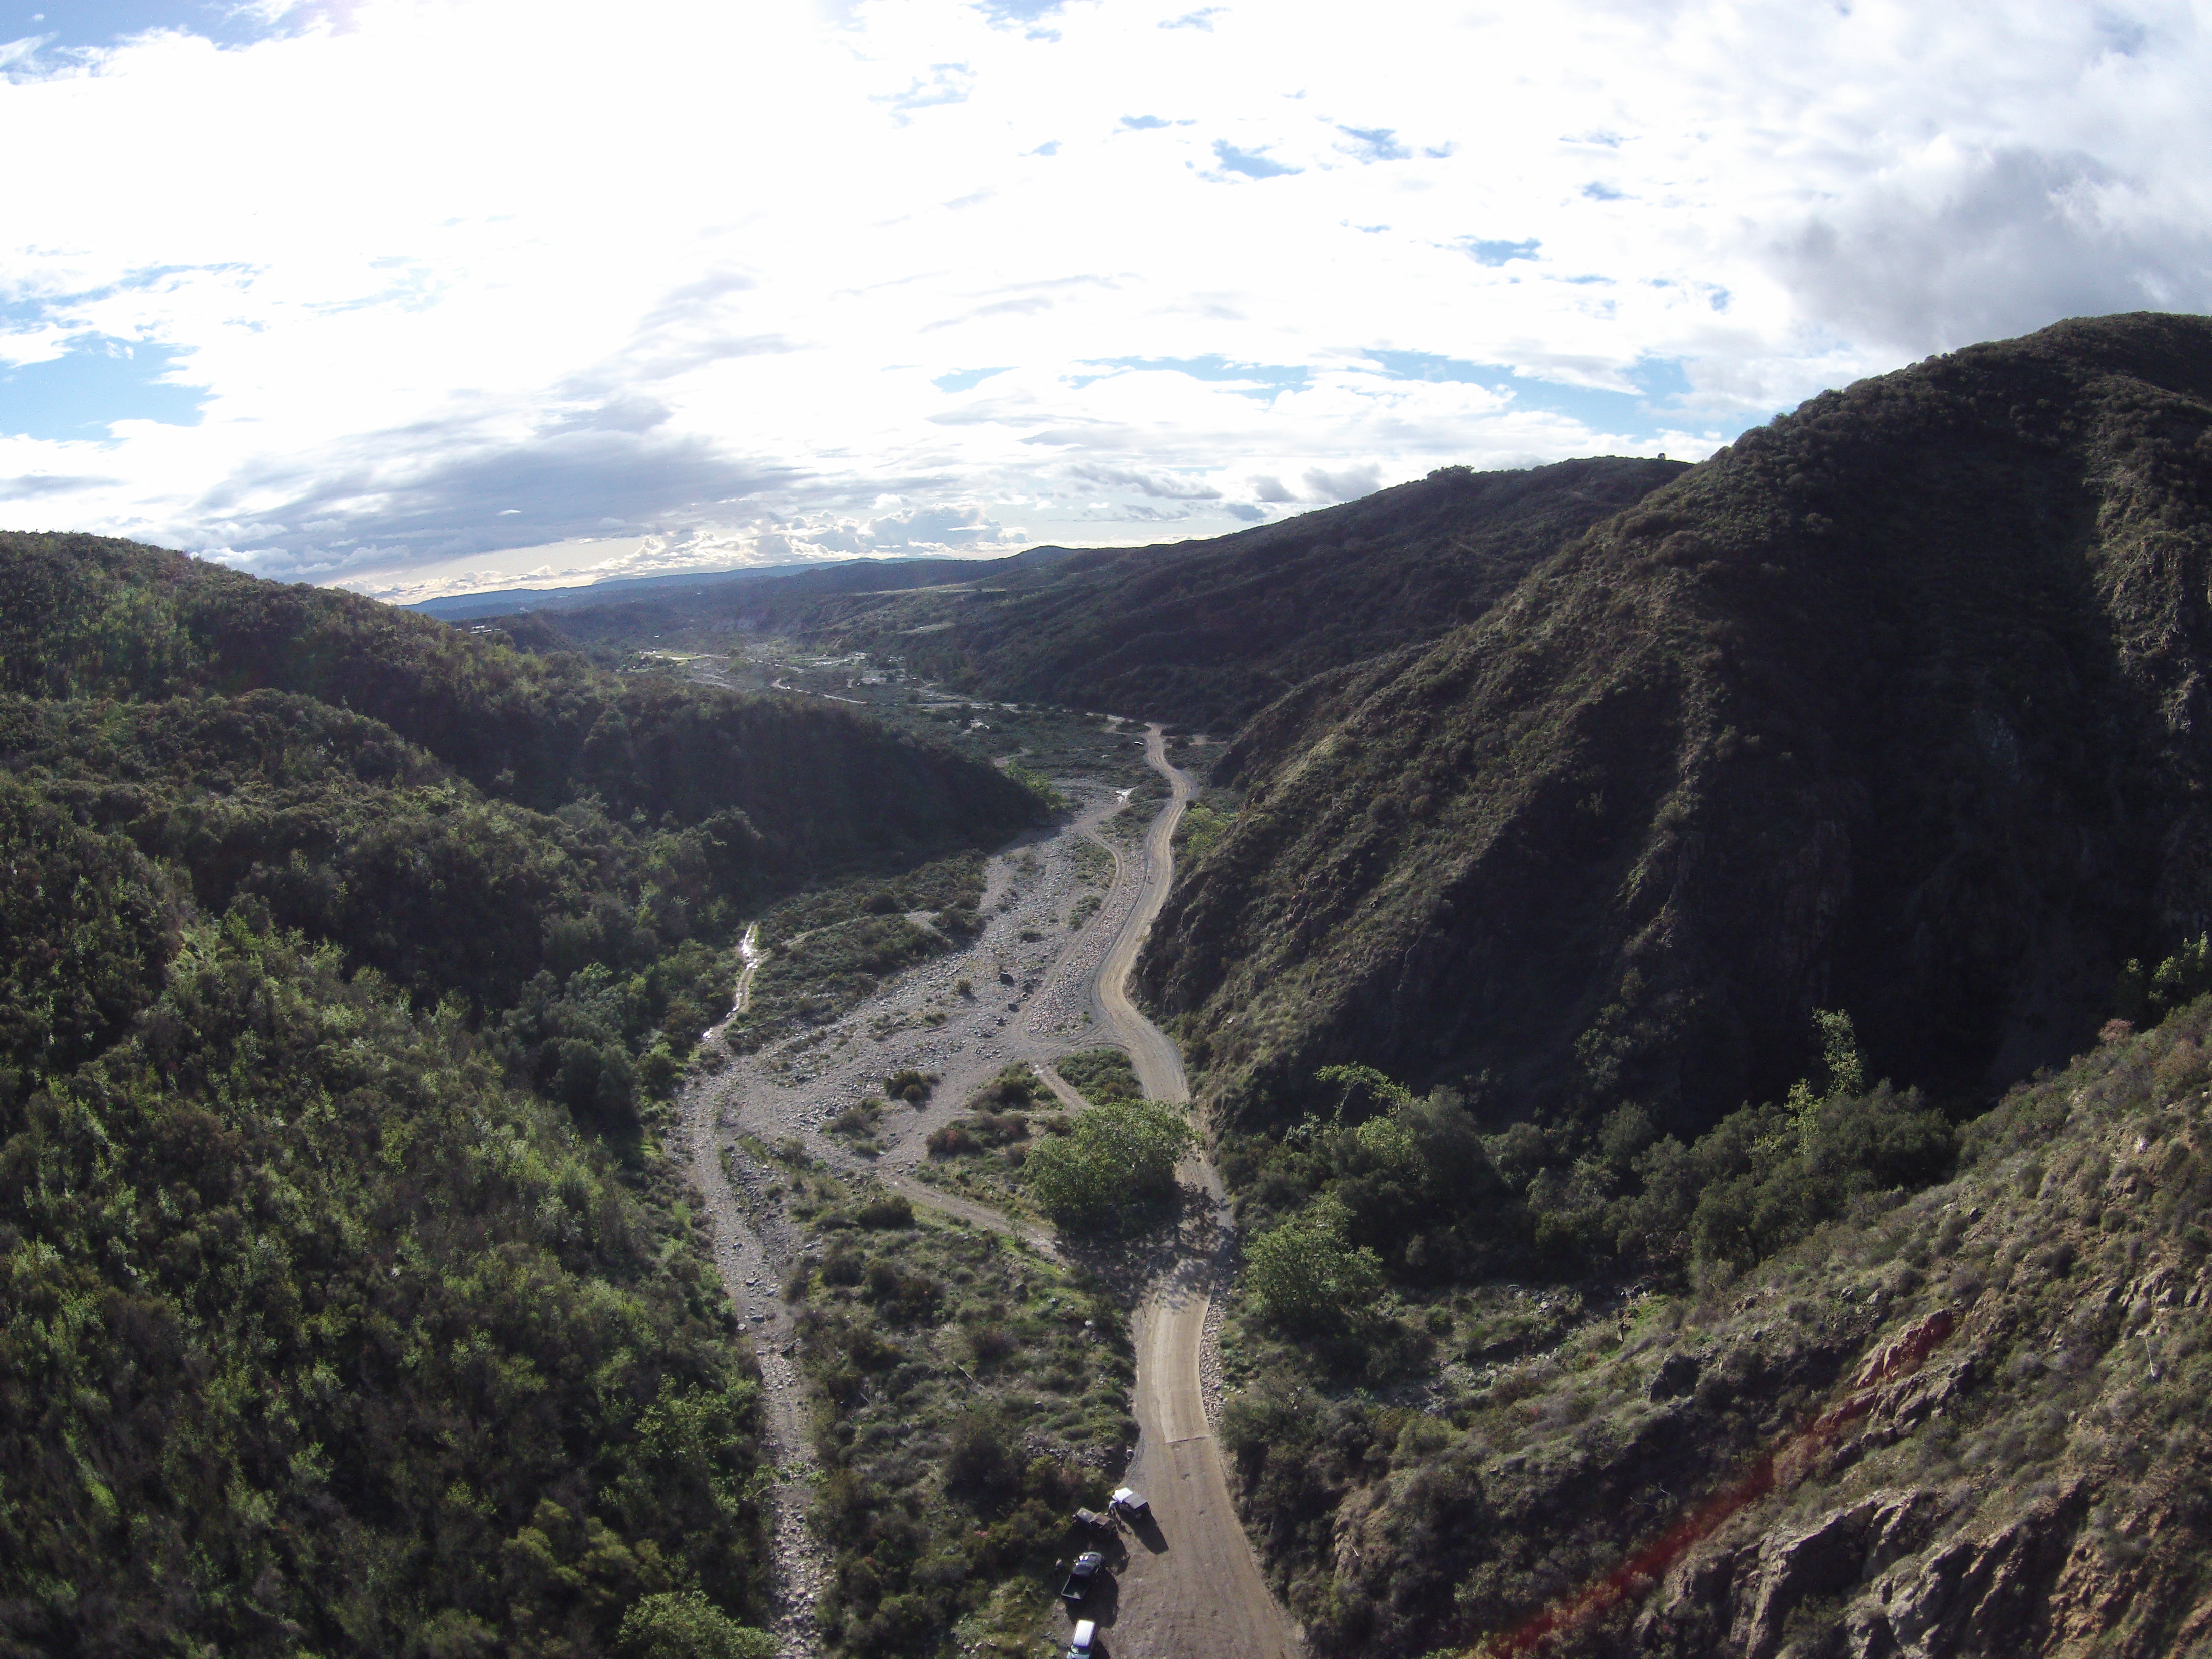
1894 707
82 619
350 1304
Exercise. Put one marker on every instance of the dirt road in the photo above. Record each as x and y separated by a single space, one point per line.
1194 1587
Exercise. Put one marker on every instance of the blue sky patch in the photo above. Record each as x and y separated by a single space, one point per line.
1499 253
964 379
1375 143
1639 414
97 382
94 23
1252 379
1018 11
1251 163
1144 123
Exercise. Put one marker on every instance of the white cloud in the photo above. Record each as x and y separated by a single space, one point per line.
465 275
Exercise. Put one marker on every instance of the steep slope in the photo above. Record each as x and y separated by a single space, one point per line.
1895 706
1967 1423
317 1335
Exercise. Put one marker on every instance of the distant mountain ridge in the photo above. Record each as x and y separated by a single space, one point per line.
505 600
690 589
1204 634
1201 634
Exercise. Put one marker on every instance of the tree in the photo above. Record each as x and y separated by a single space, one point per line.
1113 1156
1308 1277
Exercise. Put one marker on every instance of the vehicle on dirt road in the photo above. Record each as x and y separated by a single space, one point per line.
1094 1520
1083 1642
1129 1505
1083 1578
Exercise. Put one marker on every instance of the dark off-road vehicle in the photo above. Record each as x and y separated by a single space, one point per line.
1083 1578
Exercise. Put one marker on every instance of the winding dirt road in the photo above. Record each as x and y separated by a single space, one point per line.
1193 1585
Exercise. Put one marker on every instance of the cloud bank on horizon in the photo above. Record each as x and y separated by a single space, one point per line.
428 295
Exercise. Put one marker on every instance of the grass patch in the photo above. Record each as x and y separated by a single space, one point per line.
1100 1075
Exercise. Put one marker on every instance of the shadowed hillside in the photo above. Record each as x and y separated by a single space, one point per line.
1967 1423
1206 633
1897 705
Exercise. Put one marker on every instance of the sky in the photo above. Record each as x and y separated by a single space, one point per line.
429 296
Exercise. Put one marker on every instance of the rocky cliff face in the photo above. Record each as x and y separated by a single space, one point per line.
1897 705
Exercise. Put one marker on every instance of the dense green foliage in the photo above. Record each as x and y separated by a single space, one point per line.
1307 1277
601 939
349 1303
1100 1075
318 1333
972 1394
1884 708
89 925
1408 1186
85 618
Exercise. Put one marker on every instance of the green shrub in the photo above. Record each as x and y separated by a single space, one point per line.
1015 1087
686 1626
979 1131
910 1085
1101 1075
980 1456
886 1210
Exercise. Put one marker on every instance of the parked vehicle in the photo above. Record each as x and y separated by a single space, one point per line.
1094 1520
1083 1644
1129 1505
1082 1578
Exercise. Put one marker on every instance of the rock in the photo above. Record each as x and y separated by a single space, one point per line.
1977 1596
1676 1376
1906 1351
1822 1559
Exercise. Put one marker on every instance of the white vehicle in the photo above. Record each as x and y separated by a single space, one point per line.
1084 1642
1126 1503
